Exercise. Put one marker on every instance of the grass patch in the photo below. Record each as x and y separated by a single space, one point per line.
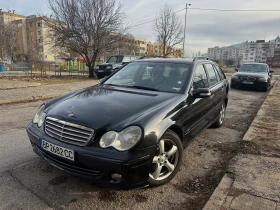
49 80
63 80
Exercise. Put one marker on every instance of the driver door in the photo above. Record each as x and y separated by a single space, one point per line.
196 117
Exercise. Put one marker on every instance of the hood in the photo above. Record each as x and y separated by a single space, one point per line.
110 107
250 74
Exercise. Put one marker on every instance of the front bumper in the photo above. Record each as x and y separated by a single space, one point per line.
103 73
97 164
255 84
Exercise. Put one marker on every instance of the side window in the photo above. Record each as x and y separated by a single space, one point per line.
212 74
126 59
200 78
220 72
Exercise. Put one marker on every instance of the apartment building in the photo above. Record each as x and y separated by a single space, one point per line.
248 52
274 60
140 45
30 38
6 19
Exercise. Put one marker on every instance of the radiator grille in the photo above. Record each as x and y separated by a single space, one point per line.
68 132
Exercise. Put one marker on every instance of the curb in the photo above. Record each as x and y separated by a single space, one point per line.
249 135
219 196
27 86
28 99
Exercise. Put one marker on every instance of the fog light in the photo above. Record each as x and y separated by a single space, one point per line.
116 177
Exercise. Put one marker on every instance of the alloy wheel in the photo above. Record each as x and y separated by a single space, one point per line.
165 161
222 114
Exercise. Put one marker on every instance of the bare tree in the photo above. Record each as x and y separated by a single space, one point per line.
8 37
229 62
168 29
86 27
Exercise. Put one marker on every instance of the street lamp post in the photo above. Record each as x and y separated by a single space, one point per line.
185 28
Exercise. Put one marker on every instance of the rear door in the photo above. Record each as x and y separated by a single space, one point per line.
216 87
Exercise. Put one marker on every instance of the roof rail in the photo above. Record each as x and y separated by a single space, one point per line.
201 58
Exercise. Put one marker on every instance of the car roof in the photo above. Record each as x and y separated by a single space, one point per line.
255 64
174 60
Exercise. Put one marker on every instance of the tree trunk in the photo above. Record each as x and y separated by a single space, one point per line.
91 73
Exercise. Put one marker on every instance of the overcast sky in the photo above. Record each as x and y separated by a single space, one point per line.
204 28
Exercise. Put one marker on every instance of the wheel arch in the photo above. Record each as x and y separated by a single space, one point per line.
177 129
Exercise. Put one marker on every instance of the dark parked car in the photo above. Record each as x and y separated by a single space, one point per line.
130 130
114 63
255 75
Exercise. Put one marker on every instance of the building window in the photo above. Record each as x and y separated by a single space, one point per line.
46 56
252 49
31 24
251 53
40 40
39 24
18 48
32 40
19 25
31 32
251 58
39 32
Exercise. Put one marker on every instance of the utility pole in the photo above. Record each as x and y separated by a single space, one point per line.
185 29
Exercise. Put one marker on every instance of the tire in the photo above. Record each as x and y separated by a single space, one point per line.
167 160
266 87
221 119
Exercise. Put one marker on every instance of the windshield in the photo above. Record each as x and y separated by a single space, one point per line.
165 77
115 59
253 68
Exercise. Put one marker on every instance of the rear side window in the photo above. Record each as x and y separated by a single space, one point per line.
126 59
212 74
200 78
220 72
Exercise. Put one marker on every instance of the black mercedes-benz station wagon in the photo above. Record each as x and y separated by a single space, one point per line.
256 75
130 129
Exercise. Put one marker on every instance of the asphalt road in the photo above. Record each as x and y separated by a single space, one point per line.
27 182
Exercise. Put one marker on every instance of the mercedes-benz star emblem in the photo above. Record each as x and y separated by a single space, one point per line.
71 111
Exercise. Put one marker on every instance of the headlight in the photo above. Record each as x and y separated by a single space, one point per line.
235 77
40 116
263 79
97 67
123 140
108 67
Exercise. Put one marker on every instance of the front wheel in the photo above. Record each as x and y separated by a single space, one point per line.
167 160
221 118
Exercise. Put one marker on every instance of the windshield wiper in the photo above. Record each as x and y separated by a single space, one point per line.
143 87
113 85
135 86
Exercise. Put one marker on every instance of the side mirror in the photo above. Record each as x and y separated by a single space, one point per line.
201 93
271 71
236 69
101 80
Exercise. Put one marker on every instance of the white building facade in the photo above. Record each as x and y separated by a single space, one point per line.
248 52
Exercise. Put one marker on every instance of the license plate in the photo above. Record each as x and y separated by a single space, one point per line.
248 82
100 70
57 150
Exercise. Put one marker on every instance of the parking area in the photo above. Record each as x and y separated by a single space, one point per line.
205 162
